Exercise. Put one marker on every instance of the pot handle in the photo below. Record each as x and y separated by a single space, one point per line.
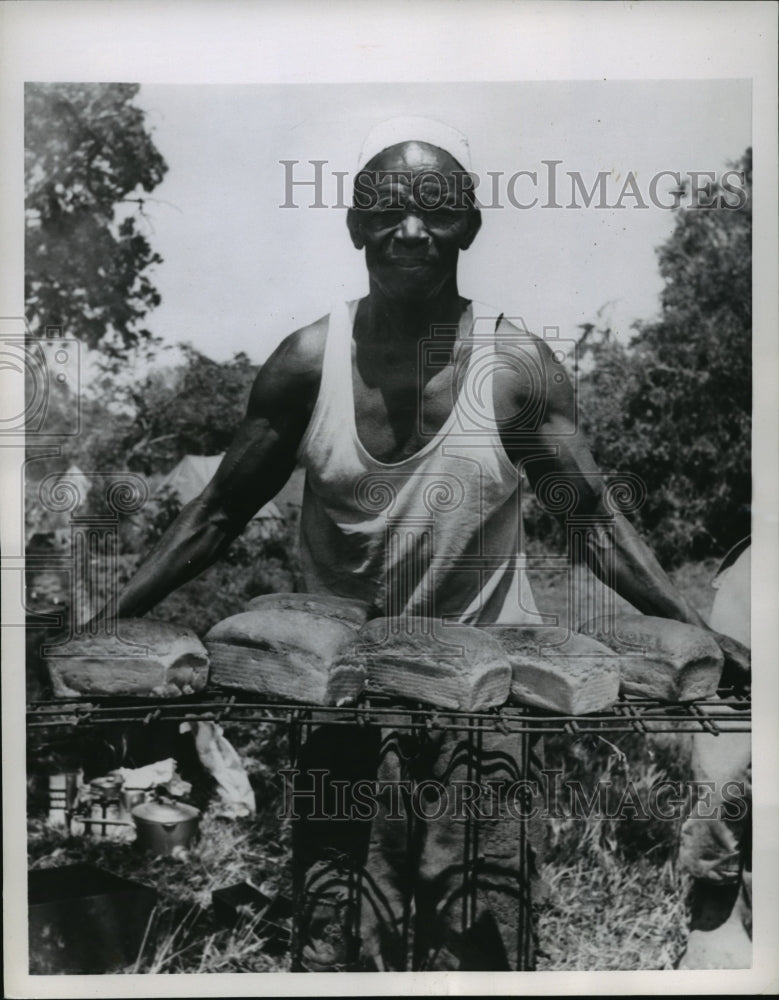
168 827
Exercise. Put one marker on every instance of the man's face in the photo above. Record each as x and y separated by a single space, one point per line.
413 216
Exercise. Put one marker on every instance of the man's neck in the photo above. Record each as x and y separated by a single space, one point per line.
402 323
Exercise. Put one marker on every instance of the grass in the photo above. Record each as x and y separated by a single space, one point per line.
602 913
183 934
614 899
189 942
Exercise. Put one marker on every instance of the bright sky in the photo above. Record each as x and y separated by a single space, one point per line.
240 272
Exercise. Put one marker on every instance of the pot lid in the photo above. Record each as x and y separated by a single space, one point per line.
110 781
165 812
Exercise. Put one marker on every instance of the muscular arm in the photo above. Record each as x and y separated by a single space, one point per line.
556 452
255 467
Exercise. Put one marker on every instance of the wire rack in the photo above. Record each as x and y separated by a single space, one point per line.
730 712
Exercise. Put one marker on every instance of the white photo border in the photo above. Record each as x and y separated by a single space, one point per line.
273 42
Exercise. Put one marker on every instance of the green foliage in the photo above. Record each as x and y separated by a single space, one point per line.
675 406
544 533
88 158
625 767
147 425
193 409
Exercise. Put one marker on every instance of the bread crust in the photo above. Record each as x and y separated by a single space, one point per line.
283 652
146 658
661 658
457 667
343 609
559 670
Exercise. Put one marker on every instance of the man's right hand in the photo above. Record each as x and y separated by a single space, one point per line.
737 672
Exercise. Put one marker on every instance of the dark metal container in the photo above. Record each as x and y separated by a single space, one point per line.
273 915
237 901
84 920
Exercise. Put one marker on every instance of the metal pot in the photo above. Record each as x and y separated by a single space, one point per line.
163 827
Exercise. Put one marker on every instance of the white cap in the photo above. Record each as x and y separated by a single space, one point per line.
409 128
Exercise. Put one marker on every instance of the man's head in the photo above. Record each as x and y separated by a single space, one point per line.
413 210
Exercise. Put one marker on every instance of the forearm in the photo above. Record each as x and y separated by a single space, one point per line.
619 558
191 544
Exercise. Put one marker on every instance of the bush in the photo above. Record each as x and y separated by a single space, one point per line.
675 407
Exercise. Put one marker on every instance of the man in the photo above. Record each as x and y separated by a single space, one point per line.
413 412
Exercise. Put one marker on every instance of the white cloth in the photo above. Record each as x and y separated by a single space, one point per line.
434 535
410 128
219 757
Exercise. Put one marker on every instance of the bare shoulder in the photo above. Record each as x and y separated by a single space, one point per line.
292 373
530 370
520 341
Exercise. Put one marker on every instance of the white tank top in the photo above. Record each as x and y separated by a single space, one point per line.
436 534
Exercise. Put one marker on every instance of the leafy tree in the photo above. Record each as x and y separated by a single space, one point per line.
675 406
144 427
88 160
193 409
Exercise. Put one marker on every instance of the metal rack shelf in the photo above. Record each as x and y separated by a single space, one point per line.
730 712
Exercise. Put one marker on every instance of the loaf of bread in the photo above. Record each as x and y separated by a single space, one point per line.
354 613
559 670
147 659
661 658
449 666
284 653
